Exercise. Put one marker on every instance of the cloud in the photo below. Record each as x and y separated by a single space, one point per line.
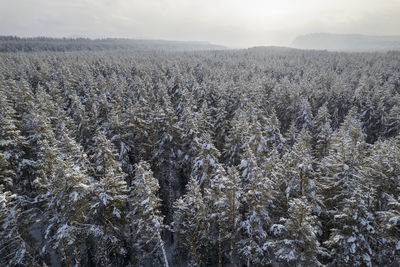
228 22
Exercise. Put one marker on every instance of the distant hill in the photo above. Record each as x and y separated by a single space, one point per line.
347 42
17 44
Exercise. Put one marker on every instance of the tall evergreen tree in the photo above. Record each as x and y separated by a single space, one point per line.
192 222
297 243
145 217
353 236
14 250
347 152
108 198
257 200
223 201
321 132
65 194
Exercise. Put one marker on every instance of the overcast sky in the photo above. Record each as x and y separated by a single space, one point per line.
235 23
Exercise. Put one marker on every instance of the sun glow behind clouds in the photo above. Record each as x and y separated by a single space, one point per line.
228 22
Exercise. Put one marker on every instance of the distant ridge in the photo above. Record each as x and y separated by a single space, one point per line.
35 44
347 42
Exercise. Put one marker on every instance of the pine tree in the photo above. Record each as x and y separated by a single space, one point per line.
145 217
191 222
223 201
298 167
297 239
6 174
256 140
392 123
142 129
205 161
79 115
14 250
294 175
220 119
388 251
353 236
379 176
304 117
272 132
108 199
236 138
321 132
291 135
190 137
257 200
167 156
65 194
11 143
347 152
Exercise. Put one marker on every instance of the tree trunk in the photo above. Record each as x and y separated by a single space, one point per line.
65 255
105 242
194 254
163 252
219 250
233 232
76 256
301 183
150 256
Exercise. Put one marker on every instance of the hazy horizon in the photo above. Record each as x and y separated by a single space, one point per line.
230 23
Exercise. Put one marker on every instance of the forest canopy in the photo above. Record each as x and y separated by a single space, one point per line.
36 44
257 157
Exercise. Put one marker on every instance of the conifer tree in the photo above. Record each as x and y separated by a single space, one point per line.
379 176
109 197
298 167
304 116
65 194
167 156
78 113
145 217
236 138
190 136
223 201
297 239
14 250
257 200
11 141
388 249
141 125
392 123
347 152
192 223
321 132
294 174
291 135
205 161
353 236
272 131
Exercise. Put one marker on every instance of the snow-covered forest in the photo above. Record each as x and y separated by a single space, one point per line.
256 157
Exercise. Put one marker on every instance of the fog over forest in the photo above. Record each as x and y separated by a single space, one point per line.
231 23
